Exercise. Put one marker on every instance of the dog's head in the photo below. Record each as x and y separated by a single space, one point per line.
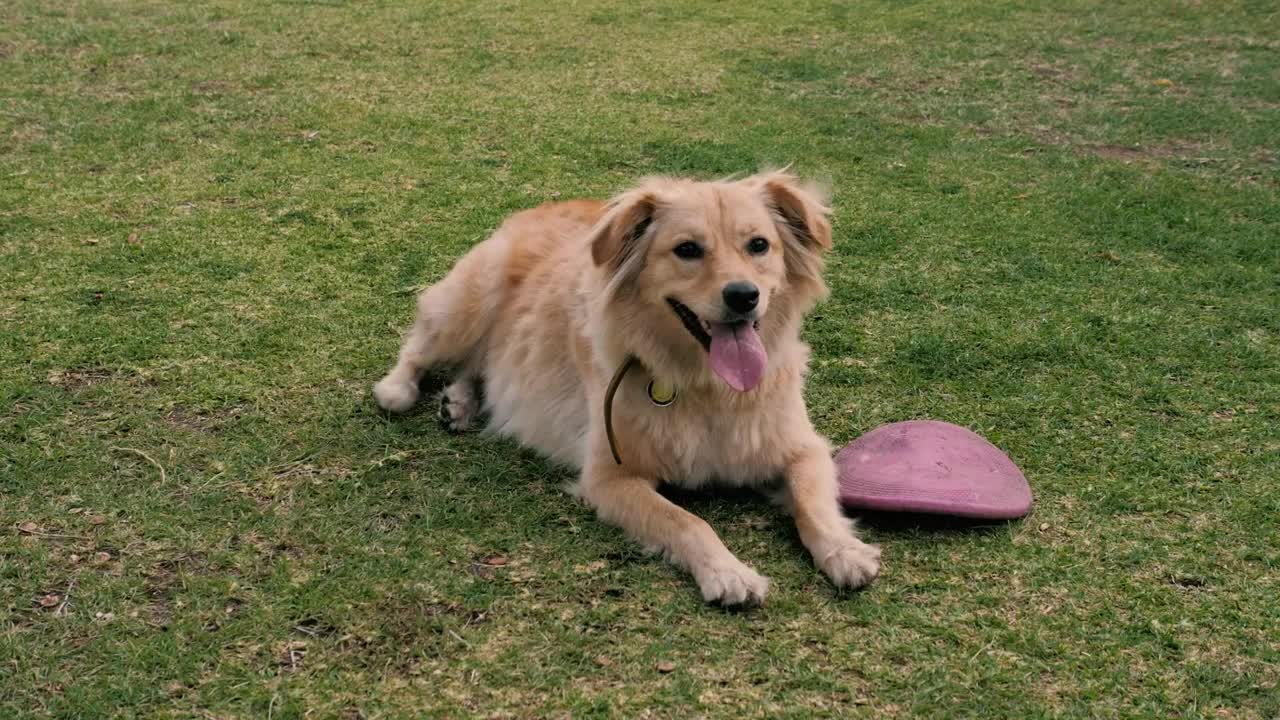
713 272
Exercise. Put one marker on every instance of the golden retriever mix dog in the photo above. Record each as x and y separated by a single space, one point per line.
702 286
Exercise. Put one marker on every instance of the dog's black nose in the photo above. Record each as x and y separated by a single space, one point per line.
741 297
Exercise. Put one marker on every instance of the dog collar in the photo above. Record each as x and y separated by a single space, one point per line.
660 393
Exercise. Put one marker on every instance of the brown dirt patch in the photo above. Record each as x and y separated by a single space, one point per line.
201 420
1057 71
1116 152
1112 151
1185 150
396 632
78 378
861 82
210 87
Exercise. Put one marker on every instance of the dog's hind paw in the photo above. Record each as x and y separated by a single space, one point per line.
852 565
459 406
733 584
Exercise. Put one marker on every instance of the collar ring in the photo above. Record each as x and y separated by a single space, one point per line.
661 394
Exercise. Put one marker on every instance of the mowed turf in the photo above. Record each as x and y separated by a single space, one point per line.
1056 225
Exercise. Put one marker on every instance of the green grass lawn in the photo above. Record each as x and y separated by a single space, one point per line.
1058 226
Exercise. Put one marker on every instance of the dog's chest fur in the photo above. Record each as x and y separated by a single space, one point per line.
700 439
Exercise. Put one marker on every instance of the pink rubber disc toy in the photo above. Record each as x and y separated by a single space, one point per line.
927 466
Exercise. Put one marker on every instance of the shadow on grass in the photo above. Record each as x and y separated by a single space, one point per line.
721 500
902 522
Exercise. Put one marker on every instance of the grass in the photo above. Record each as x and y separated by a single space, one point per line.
1057 224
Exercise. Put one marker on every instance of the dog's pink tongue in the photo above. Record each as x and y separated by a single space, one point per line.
737 355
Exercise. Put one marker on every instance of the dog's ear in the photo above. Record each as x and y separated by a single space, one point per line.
800 212
799 208
619 234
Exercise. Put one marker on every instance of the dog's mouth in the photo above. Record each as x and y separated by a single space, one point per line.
735 351
698 328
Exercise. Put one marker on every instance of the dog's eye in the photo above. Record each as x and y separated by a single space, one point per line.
688 251
757 246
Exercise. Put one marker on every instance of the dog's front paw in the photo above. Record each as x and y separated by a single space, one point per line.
394 395
852 565
732 583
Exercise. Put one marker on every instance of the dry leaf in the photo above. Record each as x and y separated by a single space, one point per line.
102 557
1044 526
98 520
133 239
665 666
50 600
593 566
29 528
90 241
603 661
495 560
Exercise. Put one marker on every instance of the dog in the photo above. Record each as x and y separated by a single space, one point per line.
698 289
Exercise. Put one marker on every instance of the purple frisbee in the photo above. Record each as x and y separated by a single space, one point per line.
926 466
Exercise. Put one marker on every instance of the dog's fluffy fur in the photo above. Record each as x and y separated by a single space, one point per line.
548 308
